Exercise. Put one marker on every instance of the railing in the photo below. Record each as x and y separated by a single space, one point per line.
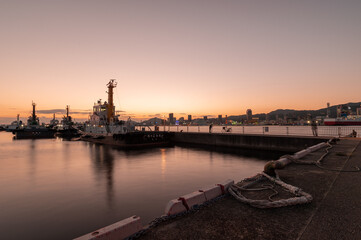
329 131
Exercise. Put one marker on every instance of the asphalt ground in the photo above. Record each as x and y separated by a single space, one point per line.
334 213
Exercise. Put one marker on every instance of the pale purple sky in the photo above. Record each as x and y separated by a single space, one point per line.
193 57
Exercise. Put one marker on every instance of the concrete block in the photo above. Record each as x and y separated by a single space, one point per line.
225 185
174 206
191 199
211 192
118 230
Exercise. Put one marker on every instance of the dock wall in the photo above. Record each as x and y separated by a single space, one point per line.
260 142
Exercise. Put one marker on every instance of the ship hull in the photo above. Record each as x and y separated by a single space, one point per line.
68 133
34 133
342 123
132 140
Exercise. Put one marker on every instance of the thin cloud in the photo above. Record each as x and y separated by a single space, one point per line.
63 111
155 115
48 111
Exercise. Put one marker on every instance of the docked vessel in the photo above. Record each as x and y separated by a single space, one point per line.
104 127
33 129
349 121
344 117
18 124
66 127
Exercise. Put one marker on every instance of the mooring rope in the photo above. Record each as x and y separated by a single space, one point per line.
319 161
301 197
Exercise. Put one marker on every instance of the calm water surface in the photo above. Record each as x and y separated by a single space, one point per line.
54 189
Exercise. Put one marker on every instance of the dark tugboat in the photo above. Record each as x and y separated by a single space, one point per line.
66 128
33 130
104 127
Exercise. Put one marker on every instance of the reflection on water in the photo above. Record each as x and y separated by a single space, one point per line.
32 158
164 161
103 161
53 189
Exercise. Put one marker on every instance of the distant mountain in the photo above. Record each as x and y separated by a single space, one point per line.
280 113
303 114
290 113
153 121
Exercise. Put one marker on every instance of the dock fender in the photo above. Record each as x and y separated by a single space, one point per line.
225 185
174 206
119 230
192 199
211 192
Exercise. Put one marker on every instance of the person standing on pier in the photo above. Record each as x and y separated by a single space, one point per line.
314 128
210 128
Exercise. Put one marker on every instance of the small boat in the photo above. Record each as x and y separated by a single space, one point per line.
33 130
18 124
104 127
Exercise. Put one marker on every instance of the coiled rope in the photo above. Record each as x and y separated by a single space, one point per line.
301 197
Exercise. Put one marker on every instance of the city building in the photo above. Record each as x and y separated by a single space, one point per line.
358 111
339 110
220 119
171 118
189 118
249 115
328 110
205 117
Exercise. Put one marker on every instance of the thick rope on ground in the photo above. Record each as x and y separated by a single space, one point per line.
301 197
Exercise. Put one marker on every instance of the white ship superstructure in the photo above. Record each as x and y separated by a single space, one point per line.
18 124
103 120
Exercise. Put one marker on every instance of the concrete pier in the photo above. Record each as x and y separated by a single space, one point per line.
248 141
334 212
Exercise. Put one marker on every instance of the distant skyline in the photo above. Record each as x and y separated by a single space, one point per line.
191 57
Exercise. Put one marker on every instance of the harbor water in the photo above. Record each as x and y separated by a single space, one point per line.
55 189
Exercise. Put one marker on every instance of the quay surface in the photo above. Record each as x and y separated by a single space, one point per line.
334 212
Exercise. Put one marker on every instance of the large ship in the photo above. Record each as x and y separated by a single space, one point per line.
104 127
344 117
33 129
343 121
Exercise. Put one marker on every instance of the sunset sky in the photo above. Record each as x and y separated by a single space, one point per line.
186 57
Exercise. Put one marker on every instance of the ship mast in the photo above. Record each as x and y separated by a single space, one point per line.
67 111
34 115
112 84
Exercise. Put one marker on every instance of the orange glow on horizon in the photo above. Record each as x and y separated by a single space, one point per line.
178 57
